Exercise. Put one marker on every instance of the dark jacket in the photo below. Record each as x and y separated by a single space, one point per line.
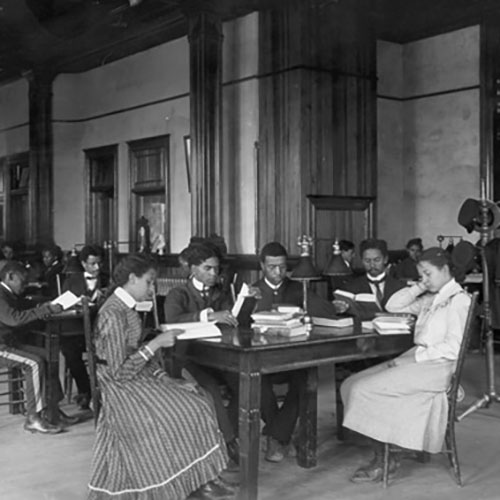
184 303
291 293
15 314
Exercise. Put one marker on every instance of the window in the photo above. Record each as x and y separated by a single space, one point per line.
101 198
149 176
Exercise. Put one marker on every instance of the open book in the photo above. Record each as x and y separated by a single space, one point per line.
193 330
363 305
66 300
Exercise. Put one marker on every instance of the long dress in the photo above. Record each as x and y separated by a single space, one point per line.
155 438
406 404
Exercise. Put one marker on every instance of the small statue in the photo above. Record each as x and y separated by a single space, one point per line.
143 233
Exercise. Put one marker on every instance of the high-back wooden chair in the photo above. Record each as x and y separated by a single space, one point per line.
91 358
450 448
13 378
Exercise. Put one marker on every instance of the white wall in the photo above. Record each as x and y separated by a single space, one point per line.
439 166
122 90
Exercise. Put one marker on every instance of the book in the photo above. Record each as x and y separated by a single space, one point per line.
289 323
363 305
244 306
292 331
193 330
272 316
66 300
333 322
393 324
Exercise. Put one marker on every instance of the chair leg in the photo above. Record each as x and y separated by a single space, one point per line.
386 465
451 450
16 392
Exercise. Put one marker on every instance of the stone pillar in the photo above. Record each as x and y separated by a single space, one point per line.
205 54
41 156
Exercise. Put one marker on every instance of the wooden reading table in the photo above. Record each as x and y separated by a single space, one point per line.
251 355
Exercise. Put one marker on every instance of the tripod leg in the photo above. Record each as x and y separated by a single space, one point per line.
480 403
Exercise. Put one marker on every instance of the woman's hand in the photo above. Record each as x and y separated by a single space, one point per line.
223 317
165 339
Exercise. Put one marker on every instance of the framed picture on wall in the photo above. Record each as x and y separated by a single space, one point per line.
187 155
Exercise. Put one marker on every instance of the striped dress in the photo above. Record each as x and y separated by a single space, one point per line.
155 439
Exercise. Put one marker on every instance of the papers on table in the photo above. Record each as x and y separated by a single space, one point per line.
193 330
66 300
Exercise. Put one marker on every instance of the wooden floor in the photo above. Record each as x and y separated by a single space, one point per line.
36 467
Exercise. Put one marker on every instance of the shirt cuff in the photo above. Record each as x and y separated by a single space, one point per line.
204 314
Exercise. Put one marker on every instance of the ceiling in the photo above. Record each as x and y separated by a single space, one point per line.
77 35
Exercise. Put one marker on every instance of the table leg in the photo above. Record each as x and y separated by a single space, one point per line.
52 349
249 433
306 456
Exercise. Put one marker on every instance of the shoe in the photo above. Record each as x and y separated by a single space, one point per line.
275 451
38 424
374 471
233 450
213 490
83 401
66 419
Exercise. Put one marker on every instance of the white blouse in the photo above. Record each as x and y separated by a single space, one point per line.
440 322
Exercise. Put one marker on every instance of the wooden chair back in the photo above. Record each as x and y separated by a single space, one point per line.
91 358
464 346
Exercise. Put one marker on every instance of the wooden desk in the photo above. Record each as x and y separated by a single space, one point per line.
54 328
251 356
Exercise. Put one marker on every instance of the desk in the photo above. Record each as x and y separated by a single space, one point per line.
53 330
251 355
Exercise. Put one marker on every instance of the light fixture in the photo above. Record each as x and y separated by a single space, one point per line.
337 265
305 270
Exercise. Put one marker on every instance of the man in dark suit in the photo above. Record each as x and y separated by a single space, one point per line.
15 315
375 281
275 289
88 282
53 268
203 299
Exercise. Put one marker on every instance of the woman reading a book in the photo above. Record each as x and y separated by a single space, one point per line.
156 437
403 401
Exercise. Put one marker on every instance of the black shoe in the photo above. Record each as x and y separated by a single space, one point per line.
233 450
83 401
213 490
66 419
38 424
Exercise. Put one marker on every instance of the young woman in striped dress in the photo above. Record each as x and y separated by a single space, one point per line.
157 437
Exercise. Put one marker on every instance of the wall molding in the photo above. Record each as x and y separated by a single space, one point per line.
430 94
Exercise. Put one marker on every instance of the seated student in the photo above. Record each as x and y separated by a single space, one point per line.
7 249
347 250
202 299
88 282
375 281
53 267
15 316
275 288
407 269
403 401
156 437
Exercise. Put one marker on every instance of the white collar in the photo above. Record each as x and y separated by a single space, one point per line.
125 297
87 275
380 277
271 286
199 285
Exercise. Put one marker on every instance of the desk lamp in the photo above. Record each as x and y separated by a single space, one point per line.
337 266
305 270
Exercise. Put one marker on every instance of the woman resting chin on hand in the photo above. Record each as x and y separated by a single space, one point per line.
403 401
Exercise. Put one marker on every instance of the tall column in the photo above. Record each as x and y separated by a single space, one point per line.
205 54
41 156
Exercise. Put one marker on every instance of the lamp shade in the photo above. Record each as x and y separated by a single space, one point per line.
337 266
305 269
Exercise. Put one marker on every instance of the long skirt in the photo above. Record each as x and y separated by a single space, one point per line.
405 405
155 439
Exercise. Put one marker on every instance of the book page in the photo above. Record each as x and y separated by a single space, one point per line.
66 300
193 330
239 300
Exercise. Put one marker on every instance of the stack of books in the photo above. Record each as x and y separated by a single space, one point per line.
340 322
287 324
393 324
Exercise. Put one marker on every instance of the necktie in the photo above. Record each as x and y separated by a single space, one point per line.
378 290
